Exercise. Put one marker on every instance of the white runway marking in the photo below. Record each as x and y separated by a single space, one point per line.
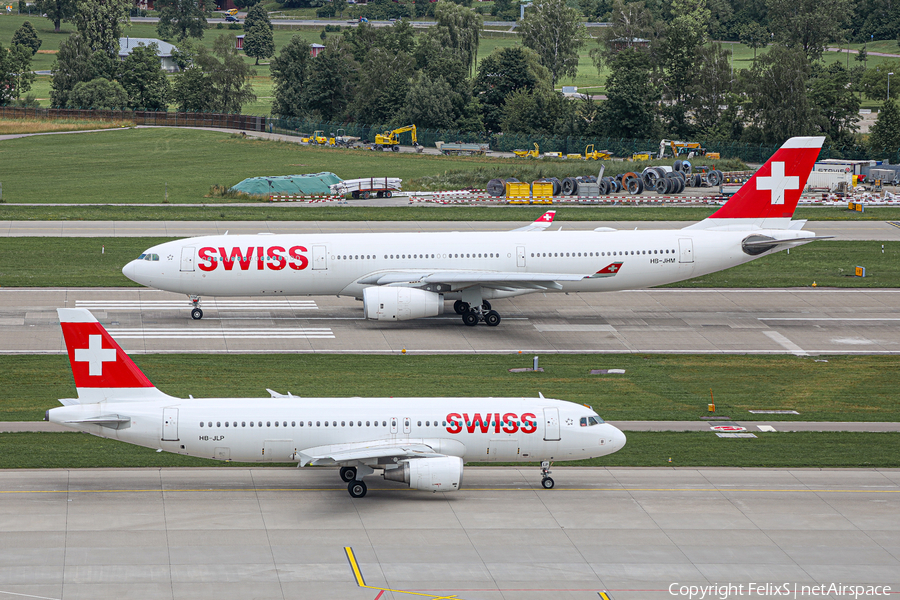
174 333
206 304
785 343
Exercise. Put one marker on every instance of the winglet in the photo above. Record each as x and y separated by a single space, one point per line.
541 223
608 271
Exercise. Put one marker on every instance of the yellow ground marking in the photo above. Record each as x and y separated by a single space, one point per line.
362 582
603 595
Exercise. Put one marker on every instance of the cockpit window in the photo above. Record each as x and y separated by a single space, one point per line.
590 421
155 257
595 420
141 257
148 257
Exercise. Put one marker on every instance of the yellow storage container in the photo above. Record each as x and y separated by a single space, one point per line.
518 192
542 192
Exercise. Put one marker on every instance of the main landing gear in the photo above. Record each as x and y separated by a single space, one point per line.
353 476
196 312
546 481
474 316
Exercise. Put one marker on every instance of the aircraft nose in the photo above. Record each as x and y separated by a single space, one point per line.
128 271
618 439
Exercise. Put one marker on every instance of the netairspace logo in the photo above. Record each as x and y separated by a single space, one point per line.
789 590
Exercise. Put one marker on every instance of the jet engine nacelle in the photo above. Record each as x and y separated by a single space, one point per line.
400 303
438 474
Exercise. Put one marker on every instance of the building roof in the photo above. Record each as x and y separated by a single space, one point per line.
127 44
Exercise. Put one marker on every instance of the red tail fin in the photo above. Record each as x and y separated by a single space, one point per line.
98 362
774 190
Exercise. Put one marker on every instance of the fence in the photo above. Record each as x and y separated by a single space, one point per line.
750 153
141 117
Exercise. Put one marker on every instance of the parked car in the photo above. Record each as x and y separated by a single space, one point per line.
232 19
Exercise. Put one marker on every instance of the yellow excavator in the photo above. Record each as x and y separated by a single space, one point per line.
390 139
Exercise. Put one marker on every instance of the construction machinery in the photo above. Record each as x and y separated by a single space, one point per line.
391 140
460 148
536 153
677 147
318 137
591 154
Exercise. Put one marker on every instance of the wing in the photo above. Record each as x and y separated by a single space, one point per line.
540 224
377 451
460 279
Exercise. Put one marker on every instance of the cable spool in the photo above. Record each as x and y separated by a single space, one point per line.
569 186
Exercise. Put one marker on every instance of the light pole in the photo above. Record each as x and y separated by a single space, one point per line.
889 86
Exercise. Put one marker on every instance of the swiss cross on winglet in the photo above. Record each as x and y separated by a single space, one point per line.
547 217
607 271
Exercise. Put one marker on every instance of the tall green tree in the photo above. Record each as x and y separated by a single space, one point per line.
28 37
57 11
258 41
832 95
144 81
630 108
380 93
428 103
182 19
23 77
778 106
555 32
709 91
192 91
72 66
502 72
99 93
686 35
885 133
100 23
457 31
755 36
808 24
632 25
873 82
535 111
290 70
332 76
229 76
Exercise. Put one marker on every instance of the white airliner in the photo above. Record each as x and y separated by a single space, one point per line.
422 442
400 276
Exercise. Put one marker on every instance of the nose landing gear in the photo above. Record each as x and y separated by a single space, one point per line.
196 312
546 481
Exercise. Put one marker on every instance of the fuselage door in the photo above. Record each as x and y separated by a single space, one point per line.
685 250
187 258
170 425
320 258
551 424
520 257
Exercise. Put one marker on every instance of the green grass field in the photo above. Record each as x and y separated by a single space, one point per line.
654 387
644 449
25 263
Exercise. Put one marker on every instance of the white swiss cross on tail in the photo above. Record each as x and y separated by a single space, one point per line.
777 183
770 197
95 355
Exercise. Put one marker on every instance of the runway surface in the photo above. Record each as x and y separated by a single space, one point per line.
799 321
282 533
841 230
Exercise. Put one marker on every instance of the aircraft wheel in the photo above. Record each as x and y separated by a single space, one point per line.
546 482
357 489
470 319
492 318
485 305
461 307
196 314
348 473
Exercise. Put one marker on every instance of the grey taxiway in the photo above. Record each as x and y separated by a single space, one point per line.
636 534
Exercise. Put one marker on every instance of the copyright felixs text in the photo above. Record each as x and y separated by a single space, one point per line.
791 590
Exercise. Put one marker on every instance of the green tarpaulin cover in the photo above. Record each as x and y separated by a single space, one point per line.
314 183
